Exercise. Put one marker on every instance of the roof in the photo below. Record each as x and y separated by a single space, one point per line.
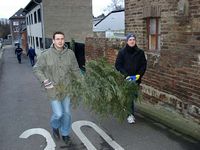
18 15
114 21
96 20
31 5
115 11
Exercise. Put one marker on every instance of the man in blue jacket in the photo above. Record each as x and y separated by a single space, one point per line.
131 62
31 53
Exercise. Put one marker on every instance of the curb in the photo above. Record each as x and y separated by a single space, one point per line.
171 119
1 57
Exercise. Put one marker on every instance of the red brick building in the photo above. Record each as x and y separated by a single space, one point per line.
169 33
17 23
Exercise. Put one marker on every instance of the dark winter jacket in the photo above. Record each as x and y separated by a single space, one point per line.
31 53
18 51
131 61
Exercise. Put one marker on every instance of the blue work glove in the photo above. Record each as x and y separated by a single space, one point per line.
133 78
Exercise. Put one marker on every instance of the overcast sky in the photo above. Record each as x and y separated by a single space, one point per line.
9 7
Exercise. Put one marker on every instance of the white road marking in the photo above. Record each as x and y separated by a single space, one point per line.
76 128
50 142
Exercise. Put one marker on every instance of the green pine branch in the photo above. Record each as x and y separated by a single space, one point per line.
104 90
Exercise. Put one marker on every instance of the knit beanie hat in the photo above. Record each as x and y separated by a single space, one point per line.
130 35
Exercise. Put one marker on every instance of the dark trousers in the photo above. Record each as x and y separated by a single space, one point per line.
133 105
19 58
32 60
133 108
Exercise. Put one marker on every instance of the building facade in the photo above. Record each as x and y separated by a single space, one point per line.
17 23
44 17
169 32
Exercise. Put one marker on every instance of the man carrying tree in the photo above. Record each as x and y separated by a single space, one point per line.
53 69
131 62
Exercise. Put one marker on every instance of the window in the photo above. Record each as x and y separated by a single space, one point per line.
33 40
153 33
37 43
41 43
15 23
27 21
16 29
35 17
31 18
39 15
183 7
23 22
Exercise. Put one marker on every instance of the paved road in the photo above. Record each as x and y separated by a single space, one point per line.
24 106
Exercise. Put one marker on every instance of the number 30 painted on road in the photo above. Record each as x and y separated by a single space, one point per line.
76 128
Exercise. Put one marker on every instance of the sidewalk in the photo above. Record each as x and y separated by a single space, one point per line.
1 56
171 119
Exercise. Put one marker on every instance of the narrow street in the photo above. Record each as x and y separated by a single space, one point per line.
24 106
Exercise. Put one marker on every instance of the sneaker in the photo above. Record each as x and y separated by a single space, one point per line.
131 119
56 134
66 139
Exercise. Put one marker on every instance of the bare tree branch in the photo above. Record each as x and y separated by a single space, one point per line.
115 5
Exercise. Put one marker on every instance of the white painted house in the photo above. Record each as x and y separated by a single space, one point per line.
113 24
34 26
44 17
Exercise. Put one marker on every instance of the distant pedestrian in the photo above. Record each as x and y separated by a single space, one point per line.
53 70
131 62
31 53
18 52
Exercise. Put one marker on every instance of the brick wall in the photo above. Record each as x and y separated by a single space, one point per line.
24 41
102 47
173 75
172 78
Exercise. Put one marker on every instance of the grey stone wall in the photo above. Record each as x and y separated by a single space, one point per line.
74 18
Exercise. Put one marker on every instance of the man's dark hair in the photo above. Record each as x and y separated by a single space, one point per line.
58 32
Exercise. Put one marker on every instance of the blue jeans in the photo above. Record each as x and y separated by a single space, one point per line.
61 117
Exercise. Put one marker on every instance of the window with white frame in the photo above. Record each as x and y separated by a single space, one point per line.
39 15
41 43
31 18
153 33
27 22
37 42
35 17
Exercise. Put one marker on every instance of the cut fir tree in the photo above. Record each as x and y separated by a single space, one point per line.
104 90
